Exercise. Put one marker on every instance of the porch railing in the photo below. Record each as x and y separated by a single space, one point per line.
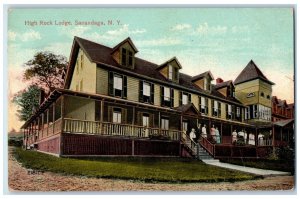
114 129
262 142
207 145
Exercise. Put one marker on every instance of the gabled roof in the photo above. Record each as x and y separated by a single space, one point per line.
251 72
123 42
223 84
101 55
282 103
169 61
291 106
200 76
188 108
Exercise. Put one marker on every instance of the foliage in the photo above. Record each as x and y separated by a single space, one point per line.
240 141
167 170
15 142
46 70
28 100
285 153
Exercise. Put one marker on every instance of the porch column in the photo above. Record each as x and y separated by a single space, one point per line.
256 137
133 120
47 111
101 115
221 133
62 112
159 125
53 117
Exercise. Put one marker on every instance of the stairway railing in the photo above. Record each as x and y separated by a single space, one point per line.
188 142
207 145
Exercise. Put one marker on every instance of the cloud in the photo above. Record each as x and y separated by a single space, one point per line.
205 29
12 36
180 27
166 41
30 35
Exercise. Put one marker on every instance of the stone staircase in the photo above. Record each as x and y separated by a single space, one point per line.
202 154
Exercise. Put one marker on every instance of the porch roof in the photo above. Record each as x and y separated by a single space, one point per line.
283 123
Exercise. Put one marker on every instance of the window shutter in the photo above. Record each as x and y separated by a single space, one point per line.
206 106
227 111
172 97
111 83
124 116
151 120
162 101
212 107
190 98
180 98
110 113
152 94
141 91
124 86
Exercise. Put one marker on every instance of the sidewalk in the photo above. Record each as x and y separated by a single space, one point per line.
255 171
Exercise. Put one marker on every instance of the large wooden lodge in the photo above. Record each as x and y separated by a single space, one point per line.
116 104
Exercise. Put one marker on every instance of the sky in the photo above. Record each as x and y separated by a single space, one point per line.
222 40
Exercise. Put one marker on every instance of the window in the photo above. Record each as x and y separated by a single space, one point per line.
170 72
205 84
238 112
268 96
254 114
216 110
117 115
247 113
264 112
176 74
81 61
164 123
262 94
166 94
127 57
145 120
146 89
123 56
118 85
229 111
146 92
203 105
185 126
184 99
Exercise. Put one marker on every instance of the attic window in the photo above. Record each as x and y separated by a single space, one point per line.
127 57
170 72
262 94
268 96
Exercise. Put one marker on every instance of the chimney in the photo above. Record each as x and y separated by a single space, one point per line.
219 80
42 96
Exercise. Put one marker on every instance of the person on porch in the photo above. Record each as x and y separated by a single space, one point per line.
204 134
193 135
218 139
213 133
234 137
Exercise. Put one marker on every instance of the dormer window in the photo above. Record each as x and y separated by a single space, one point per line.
170 72
127 58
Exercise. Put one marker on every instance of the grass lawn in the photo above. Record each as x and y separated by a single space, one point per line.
279 165
142 169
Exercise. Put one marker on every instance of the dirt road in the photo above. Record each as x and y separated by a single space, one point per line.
21 179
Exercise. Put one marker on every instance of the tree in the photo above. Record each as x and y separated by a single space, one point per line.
28 100
46 70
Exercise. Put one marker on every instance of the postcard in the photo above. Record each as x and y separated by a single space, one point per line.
151 99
